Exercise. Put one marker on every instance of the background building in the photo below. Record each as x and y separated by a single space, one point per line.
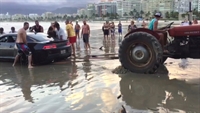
104 8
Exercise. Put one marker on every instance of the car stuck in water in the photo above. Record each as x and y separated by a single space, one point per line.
44 49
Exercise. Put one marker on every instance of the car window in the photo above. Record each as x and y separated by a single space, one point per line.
40 37
29 39
3 39
8 39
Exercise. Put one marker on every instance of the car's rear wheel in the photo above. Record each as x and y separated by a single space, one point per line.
140 52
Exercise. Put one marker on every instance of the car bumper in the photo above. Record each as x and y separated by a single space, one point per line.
50 55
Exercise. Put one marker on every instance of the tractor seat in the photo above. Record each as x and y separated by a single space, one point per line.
180 31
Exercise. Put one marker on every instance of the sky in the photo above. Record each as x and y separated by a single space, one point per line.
52 2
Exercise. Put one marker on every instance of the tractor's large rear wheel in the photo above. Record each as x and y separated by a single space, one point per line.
140 52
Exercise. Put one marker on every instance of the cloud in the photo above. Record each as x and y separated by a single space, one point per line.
50 2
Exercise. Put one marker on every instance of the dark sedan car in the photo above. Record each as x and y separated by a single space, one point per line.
44 49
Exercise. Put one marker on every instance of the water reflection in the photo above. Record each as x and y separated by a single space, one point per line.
109 47
25 80
87 64
145 92
50 76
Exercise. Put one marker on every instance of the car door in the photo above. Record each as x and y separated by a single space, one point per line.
7 44
11 43
3 47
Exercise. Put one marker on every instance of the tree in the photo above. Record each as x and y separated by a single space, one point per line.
82 16
167 15
86 16
148 14
174 14
77 17
125 14
107 14
131 13
141 13
183 15
65 17
134 12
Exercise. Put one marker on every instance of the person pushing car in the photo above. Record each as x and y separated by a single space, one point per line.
21 44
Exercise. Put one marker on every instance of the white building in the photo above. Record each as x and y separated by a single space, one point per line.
5 16
126 6
33 16
81 12
48 15
18 16
198 5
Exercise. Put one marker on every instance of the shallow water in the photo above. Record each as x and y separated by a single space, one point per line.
86 85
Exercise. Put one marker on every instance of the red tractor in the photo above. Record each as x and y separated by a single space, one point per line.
141 52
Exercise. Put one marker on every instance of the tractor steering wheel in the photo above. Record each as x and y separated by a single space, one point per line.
169 25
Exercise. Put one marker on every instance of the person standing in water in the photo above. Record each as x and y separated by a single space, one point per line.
120 28
144 24
37 27
112 30
132 26
86 34
106 30
71 35
77 30
21 43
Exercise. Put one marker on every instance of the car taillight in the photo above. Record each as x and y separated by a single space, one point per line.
53 46
68 43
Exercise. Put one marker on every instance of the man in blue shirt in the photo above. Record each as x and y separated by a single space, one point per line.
153 25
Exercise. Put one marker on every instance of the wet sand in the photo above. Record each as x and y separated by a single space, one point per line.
87 85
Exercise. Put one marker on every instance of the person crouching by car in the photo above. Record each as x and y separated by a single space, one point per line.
60 32
37 27
51 31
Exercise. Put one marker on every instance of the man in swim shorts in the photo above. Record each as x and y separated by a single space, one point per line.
21 44
85 34
71 35
77 29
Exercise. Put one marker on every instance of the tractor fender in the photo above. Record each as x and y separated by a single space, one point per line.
144 30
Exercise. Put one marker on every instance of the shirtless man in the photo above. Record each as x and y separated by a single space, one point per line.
37 27
106 30
77 29
21 44
86 34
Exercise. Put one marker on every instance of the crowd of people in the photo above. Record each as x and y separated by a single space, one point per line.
54 31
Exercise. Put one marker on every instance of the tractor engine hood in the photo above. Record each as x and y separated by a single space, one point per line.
183 31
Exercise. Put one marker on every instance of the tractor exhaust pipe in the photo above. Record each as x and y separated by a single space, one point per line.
190 11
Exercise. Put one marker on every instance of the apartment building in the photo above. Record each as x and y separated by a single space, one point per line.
181 6
126 6
106 7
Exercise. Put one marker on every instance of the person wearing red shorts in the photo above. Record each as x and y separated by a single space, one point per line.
71 35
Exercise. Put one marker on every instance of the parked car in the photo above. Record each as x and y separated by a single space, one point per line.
43 49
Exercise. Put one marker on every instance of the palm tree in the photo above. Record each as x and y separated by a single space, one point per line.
141 13
125 14
167 15
131 13
148 14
